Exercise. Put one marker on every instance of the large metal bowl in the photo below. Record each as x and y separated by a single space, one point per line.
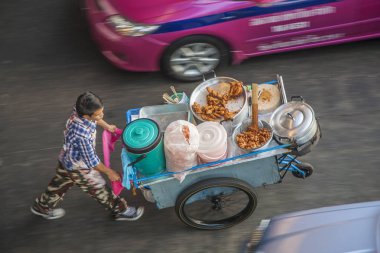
243 127
200 93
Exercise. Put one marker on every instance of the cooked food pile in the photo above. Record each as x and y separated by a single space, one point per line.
265 95
253 138
186 133
236 89
269 98
216 108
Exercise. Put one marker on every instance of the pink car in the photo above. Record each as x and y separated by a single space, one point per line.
187 38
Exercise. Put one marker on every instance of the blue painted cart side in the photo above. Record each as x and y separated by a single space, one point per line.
259 173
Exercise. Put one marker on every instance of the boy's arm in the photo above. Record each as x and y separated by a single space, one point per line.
111 174
106 126
91 159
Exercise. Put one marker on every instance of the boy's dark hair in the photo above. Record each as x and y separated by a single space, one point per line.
88 103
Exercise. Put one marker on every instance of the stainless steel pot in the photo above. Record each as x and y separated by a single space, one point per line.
308 146
200 93
294 122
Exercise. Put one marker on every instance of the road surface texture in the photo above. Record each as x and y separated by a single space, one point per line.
47 59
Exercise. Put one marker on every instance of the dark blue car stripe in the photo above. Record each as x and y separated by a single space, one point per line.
238 14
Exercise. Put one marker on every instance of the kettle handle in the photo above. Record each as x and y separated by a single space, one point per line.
300 98
203 75
284 138
289 140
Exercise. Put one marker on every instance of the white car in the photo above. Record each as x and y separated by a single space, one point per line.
352 228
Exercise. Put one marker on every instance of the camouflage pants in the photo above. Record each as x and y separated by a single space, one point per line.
91 182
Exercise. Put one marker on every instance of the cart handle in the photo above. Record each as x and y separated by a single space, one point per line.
299 98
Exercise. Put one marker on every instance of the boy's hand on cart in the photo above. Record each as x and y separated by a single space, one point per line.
106 126
113 175
111 128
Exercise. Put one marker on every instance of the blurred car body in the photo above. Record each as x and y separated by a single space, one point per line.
187 38
352 228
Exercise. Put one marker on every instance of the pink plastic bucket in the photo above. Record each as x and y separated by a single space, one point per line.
207 159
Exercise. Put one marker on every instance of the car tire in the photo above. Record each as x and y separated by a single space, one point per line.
191 57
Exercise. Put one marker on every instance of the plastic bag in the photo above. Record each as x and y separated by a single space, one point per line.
181 142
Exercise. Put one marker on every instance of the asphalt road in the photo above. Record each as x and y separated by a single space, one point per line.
47 59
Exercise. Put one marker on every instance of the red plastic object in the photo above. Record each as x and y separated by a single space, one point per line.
117 187
109 139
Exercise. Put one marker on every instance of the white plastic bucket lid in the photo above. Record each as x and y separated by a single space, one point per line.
212 139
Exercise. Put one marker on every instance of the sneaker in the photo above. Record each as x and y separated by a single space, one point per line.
49 214
130 214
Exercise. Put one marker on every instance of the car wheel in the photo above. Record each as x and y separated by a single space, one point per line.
189 58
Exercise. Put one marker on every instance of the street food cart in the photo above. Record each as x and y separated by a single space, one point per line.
220 194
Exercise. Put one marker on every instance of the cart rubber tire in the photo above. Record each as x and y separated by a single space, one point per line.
305 167
217 203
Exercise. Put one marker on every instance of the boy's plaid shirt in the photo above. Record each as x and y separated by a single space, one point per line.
78 150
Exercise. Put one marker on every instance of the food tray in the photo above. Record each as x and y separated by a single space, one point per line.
166 114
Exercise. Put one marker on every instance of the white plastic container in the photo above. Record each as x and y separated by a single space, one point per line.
181 153
212 142
206 159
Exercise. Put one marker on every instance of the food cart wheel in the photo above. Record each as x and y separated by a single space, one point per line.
216 203
307 168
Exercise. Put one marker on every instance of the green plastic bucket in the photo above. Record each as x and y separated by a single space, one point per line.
142 137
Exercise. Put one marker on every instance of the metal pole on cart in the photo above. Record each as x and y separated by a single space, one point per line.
281 83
